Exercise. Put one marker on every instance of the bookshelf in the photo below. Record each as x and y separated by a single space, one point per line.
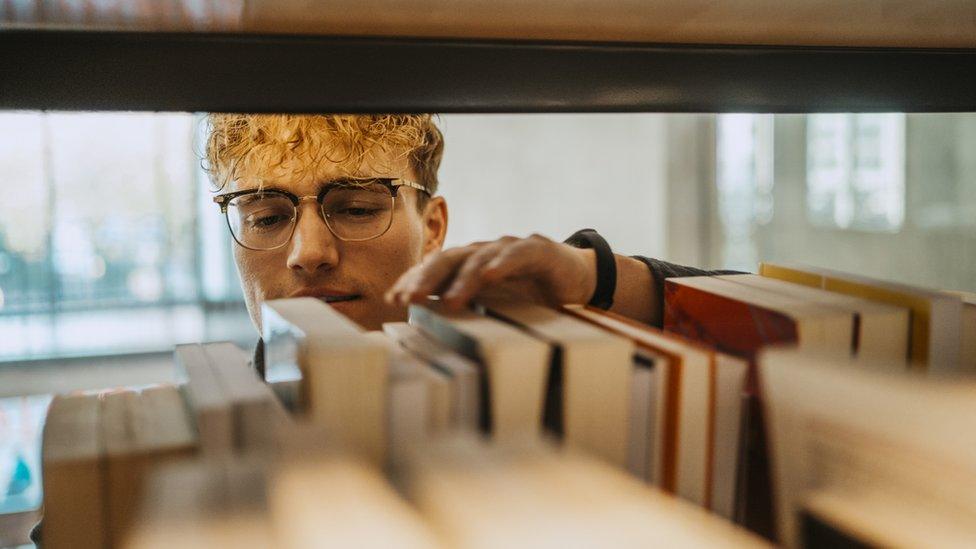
267 70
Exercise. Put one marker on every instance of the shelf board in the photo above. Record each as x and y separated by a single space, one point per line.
246 72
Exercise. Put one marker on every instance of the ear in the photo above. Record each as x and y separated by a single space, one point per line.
435 224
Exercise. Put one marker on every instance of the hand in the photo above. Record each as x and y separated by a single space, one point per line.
533 268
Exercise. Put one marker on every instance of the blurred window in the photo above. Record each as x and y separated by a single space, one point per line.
856 171
101 249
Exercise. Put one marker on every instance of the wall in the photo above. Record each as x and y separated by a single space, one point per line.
555 174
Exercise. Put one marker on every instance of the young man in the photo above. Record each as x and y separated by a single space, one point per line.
344 208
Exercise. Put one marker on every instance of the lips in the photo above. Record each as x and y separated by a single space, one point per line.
328 296
339 298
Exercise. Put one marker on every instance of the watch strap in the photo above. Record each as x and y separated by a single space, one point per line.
606 266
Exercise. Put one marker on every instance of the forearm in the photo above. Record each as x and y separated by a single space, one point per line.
635 296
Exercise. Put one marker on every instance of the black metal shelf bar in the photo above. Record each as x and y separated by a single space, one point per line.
76 70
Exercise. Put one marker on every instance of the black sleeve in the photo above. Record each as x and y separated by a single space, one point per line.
258 361
662 269
35 534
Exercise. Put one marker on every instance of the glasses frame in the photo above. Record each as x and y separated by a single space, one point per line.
393 184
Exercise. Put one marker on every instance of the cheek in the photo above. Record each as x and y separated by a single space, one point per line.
397 251
254 272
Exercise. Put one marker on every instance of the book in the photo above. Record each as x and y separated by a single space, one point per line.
340 502
217 501
741 320
594 369
412 404
73 468
643 420
849 434
206 399
478 495
460 371
140 431
344 377
935 340
257 412
515 366
233 409
881 330
967 352
699 418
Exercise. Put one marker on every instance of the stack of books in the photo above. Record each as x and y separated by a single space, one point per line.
658 405
97 453
514 423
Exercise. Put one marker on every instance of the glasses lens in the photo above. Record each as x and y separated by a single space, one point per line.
358 212
261 220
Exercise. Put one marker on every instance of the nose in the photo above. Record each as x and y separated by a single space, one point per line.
313 246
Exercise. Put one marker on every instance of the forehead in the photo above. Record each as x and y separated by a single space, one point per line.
304 177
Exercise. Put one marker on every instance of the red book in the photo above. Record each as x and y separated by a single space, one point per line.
741 320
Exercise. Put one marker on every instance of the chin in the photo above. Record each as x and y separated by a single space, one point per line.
368 315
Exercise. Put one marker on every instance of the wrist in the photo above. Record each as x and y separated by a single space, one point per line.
605 271
584 289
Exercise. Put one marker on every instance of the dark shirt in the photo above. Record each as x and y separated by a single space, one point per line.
661 270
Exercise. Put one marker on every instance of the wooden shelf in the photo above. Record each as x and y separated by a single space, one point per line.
194 71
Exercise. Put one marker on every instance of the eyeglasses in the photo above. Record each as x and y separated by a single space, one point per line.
354 209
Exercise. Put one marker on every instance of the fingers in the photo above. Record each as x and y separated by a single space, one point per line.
468 279
460 274
519 259
429 276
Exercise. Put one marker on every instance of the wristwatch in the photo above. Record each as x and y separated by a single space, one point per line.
606 266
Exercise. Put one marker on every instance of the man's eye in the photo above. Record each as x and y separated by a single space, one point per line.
267 221
358 211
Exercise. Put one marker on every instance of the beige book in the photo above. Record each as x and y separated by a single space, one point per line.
344 374
481 496
967 351
141 431
516 365
336 502
122 467
462 372
240 531
882 329
212 502
74 494
412 400
440 401
596 371
643 390
257 412
684 465
851 428
441 415
728 435
935 321
206 399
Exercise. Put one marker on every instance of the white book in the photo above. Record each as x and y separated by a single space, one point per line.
462 372
206 398
596 368
516 365
344 374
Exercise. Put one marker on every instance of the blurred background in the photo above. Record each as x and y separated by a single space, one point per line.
111 250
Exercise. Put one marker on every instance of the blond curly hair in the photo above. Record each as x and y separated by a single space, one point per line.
250 145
